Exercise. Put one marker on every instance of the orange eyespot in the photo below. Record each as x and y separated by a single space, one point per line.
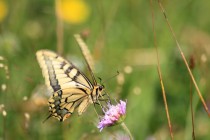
66 116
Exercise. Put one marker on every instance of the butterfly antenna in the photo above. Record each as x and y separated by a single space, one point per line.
111 77
86 55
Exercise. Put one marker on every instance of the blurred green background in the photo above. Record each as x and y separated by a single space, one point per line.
120 37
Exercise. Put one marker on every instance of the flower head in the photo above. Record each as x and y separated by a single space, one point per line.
114 114
3 10
74 11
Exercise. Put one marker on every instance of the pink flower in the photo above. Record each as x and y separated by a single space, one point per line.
114 114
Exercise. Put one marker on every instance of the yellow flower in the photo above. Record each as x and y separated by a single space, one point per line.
73 11
3 10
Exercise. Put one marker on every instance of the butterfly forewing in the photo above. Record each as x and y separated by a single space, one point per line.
55 66
71 88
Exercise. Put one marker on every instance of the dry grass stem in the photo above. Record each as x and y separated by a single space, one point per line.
184 59
106 23
160 76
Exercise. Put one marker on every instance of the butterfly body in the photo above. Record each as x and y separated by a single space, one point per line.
70 88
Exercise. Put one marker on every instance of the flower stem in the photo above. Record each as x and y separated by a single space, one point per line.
127 130
59 28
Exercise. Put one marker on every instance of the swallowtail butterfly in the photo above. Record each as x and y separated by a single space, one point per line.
70 88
